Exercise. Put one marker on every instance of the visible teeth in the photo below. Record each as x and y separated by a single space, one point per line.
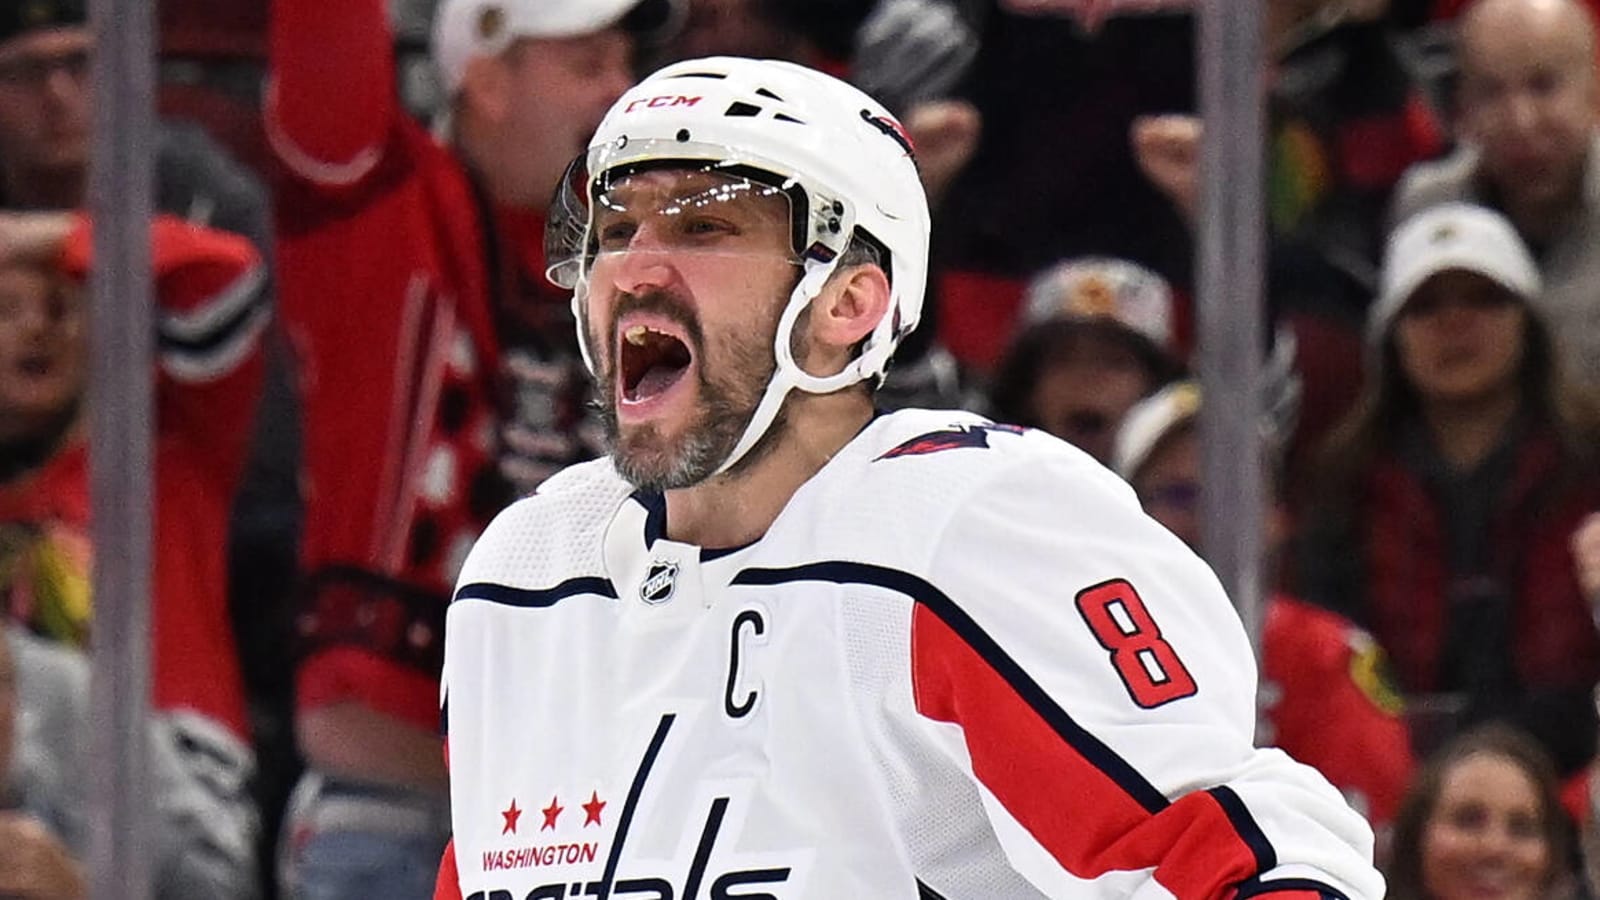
636 334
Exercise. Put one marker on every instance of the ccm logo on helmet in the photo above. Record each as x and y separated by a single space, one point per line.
664 100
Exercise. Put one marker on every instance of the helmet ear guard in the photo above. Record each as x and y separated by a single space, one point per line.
842 159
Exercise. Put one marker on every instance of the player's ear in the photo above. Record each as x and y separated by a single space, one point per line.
850 306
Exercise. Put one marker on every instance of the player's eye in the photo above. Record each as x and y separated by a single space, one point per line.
705 226
616 235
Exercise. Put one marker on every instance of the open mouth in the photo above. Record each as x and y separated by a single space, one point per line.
650 362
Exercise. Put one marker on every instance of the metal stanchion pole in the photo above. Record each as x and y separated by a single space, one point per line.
1231 254
121 403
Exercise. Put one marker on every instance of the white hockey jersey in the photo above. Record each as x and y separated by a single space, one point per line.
961 663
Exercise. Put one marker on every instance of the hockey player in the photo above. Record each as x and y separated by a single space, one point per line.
777 646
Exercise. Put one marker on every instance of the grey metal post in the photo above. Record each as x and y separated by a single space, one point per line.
1230 257
120 402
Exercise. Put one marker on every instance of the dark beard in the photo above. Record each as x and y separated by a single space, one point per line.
643 457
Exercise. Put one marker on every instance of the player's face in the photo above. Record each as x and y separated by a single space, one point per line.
44 101
1528 99
561 89
1460 338
42 352
691 273
1084 393
1485 839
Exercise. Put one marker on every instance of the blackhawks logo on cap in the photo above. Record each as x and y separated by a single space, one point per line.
491 21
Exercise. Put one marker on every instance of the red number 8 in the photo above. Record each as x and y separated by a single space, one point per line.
1147 664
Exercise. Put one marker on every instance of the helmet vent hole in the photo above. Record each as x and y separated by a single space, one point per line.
739 108
768 94
683 135
714 75
781 117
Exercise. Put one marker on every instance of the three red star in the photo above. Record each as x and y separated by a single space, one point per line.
591 810
512 815
550 813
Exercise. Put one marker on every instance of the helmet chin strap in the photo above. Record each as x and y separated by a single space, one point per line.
788 375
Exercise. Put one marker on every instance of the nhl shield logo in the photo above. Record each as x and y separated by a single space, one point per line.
660 582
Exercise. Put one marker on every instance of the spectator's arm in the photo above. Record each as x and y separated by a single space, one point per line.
206 843
211 311
331 106
34 864
35 237
1167 149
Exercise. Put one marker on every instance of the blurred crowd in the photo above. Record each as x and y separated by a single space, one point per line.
360 361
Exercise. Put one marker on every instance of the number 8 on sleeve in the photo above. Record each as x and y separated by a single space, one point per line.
1147 664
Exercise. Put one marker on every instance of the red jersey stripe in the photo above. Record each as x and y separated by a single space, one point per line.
448 884
1051 781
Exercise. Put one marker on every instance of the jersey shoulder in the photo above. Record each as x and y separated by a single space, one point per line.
895 490
951 444
553 535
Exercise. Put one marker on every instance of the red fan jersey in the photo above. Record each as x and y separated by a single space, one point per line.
210 315
1330 702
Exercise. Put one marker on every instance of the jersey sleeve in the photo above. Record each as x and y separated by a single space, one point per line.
1102 693
331 106
211 310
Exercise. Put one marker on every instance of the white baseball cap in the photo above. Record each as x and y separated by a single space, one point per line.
466 29
1105 289
1149 423
1451 236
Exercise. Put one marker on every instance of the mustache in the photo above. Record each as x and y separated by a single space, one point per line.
661 303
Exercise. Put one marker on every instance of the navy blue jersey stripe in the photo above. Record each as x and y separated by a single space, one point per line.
655 526
920 591
1255 887
655 519
510 596
1249 831
602 889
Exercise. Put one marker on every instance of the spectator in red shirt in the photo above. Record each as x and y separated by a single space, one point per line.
440 374
1449 497
209 321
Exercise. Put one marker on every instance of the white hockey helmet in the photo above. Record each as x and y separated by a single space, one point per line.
845 163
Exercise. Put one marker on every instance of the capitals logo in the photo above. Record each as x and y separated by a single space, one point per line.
955 438
702 868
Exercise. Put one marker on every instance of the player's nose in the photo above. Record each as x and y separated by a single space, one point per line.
646 263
